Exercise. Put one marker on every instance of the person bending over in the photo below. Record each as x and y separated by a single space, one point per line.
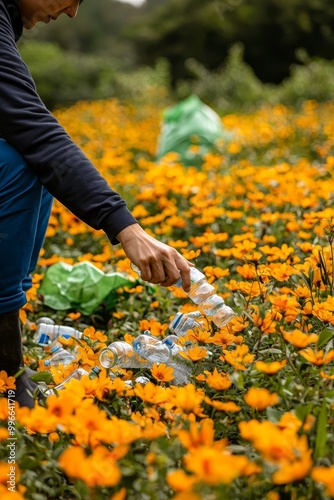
39 162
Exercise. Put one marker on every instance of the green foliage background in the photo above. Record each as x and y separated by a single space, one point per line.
229 52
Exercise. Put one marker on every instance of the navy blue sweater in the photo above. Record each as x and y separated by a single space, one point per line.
30 128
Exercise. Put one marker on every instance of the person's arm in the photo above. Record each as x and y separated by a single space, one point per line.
68 174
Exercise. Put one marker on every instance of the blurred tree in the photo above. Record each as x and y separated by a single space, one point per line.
271 32
97 29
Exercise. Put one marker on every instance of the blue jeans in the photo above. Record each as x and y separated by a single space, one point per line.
25 207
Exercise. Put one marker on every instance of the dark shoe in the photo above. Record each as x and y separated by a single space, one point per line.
11 358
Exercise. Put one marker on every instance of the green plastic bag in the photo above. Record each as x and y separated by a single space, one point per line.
190 122
82 287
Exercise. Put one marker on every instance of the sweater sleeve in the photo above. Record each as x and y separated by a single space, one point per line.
59 163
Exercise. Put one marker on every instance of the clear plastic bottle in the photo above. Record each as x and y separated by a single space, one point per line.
138 380
122 355
47 334
95 372
183 322
76 374
151 348
166 352
59 355
204 295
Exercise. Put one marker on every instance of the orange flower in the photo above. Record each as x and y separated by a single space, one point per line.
162 372
178 480
324 475
296 469
299 339
326 375
119 495
227 406
99 469
219 381
238 358
195 353
270 368
74 316
317 358
152 394
187 399
282 272
199 434
6 382
213 466
155 327
260 399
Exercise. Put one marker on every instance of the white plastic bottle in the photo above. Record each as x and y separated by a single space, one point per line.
47 334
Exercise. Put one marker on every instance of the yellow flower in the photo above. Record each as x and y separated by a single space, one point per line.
162 372
260 399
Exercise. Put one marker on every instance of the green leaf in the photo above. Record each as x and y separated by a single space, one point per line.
302 411
321 436
324 337
42 377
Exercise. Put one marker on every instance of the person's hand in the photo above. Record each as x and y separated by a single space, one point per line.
158 263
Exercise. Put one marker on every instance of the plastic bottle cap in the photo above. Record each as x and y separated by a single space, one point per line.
43 340
55 348
168 342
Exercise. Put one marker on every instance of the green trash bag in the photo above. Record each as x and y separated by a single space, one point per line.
190 123
82 287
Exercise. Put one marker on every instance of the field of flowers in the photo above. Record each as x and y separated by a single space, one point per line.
256 420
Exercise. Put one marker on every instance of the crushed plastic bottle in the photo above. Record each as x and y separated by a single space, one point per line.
47 334
120 354
166 351
59 355
77 375
204 295
183 322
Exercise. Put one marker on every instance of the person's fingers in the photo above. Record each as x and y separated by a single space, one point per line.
180 268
